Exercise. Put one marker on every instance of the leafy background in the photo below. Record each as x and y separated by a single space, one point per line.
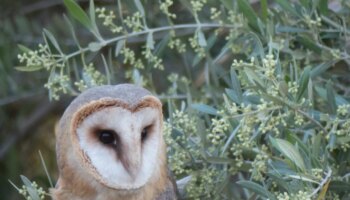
255 93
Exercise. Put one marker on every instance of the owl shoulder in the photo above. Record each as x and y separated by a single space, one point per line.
170 192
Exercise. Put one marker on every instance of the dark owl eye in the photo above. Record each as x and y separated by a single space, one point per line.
144 133
107 136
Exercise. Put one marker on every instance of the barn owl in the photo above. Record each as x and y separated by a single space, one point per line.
110 146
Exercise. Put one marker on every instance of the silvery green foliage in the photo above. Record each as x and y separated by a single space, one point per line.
256 95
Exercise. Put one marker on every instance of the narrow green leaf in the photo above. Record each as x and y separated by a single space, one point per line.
263 29
305 3
52 40
72 31
140 7
150 40
283 88
331 98
316 145
31 190
92 13
219 160
253 77
310 91
110 64
332 141
233 95
224 51
321 68
281 168
323 7
227 3
196 60
288 150
23 48
248 13
29 68
51 77
78 13
264 10
287 5
230 138
276 100
290 29
343 140
309 43
258 189
94 46
258 45
201 38
137 77
236 84
205 109
303 83
323 93
108 73
45 169
294 139
118 47
162 45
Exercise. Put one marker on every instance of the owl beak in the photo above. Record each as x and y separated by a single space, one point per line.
132 159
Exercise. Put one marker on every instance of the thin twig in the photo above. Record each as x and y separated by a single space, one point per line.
322 183
153 30
312 120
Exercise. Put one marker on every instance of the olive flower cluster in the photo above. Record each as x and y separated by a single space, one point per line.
202 184
39 190
177 44
301 195
91 77
164 7
269 64
197 5
179 152
57 83
198 49
42 57
134 22
259 165
156 62
108 18
218 131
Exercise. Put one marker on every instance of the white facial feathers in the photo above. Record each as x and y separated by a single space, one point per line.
130 161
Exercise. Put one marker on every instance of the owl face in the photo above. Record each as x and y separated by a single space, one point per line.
118 144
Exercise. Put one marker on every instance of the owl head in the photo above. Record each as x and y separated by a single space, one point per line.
112 135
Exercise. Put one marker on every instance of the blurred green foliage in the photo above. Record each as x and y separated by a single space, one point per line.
255 93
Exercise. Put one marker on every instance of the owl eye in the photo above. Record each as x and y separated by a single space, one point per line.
144 133
107 137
